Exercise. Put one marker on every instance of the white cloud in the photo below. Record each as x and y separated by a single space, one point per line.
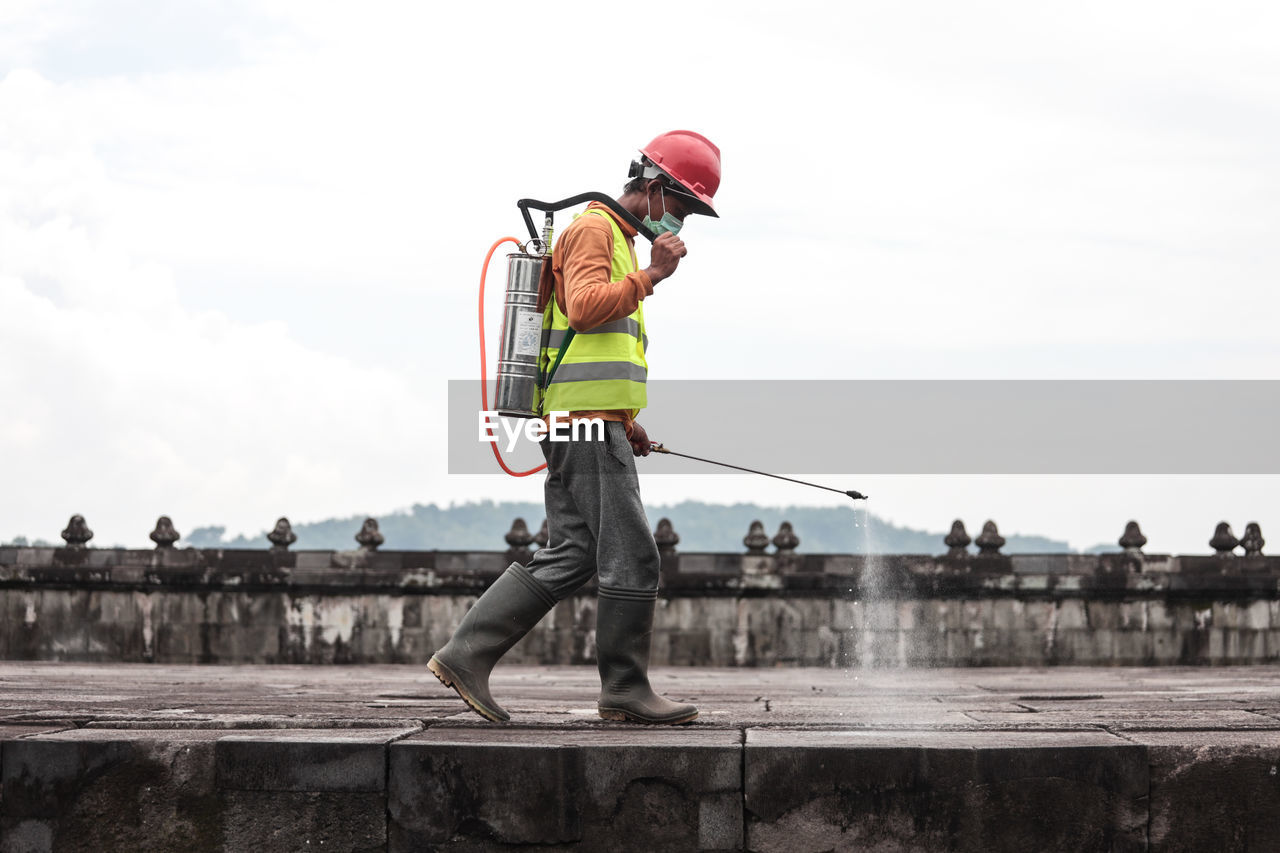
123 405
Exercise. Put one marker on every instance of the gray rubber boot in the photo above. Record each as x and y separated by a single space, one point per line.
624 629
496 622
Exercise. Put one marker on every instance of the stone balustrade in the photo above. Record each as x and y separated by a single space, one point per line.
752 608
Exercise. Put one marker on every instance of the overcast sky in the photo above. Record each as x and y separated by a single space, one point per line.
239 242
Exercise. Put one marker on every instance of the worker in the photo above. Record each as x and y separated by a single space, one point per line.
592 363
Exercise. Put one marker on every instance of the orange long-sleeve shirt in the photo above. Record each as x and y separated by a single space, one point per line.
579 276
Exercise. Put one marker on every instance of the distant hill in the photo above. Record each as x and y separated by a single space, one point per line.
701 527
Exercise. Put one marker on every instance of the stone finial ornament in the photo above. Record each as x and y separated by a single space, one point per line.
1252 540
989 541
1224 541
756 539
1132 540
282 535
164 535
77 534
369 536
518 538
785 540
666 537
544 535
957 540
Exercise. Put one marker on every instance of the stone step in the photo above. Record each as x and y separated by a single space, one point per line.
767 789
259 759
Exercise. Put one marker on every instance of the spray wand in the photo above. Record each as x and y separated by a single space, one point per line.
658 448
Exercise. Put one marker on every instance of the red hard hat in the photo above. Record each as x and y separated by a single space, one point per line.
692 160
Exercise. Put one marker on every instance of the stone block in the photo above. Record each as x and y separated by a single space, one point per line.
923 647
305 760
620 790
442 614
850 650
92 790
194 789
1160 615
1253 615
1103 614
287 821
372 645
1085 647
1166 646
775 628
175 608
880 615
110 642
882 648
413 647
826 651
1217 645
1038 564
176 643
937 614
1072 614
1036 583
1133 615
964 791
994 647
1193 615
223 608
1131 648
1256 615
956 646
1007 614
723 647
411 611
846 615
911 614
1213 790
1243 646
1103 645
978 615
685 648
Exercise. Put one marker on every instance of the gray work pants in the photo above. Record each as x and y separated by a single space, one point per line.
595 520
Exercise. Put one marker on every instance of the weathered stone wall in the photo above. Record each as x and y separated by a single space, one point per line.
757 609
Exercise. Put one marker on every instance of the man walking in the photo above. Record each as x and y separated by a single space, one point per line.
593 366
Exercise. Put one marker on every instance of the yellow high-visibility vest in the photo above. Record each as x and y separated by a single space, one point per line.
602 368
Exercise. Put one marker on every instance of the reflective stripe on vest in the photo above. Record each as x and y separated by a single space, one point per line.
627 326
604 367
588 370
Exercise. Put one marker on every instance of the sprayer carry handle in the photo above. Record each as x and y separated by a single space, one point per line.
552 206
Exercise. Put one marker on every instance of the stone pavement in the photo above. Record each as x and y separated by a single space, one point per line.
155 757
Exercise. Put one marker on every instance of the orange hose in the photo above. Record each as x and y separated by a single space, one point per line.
484 368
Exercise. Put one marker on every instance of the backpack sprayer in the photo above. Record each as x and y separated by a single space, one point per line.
519 380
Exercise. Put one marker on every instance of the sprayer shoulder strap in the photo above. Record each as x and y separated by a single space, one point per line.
564 348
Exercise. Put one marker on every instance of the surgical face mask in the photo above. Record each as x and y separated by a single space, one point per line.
667 223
